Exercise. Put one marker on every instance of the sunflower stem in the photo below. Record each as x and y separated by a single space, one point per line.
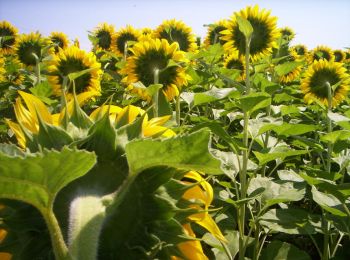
243 172
156 94
329 126
37 69
125 54
177 107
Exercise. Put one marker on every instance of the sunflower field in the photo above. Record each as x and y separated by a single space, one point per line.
159 145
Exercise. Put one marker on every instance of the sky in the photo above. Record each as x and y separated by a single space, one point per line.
316 22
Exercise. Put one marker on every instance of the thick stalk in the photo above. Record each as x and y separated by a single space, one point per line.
329 127
156 94
177 107
245 155
325 224
37 71
125 54
59 246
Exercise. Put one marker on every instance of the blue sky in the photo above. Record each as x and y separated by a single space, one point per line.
315 22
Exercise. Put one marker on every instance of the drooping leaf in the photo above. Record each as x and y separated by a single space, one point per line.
37 178
244 26
211 95
280 152
254 101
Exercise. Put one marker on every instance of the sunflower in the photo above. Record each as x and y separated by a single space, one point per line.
13 74
7 44
177 31
347 56
72 60
146 31
294 73
318 76
154 54
287 33
264 35
339 56
29 44
121 37
213 34
103 33
237 62
300 50
59 39
321 52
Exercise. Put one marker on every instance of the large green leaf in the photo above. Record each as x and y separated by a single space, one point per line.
335 136
294 129
37 178
291 221
278 250
188 152
196 99
254 101
287 67
244 26
280 152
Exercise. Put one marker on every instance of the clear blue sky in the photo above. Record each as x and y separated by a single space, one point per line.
315 22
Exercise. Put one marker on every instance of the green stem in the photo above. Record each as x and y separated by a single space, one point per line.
337 245
37 70
329 127
316 245
125 54
156 95
243 172
325 254
59 246
177 107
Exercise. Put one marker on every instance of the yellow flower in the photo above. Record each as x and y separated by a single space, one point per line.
154 54
70 60
293 74
287 33
29 44
318 76
237 62
104 33
2 69
121 38
177 31
300 50
339 56
146 31
319 53
60 40
7 45
264 35
213 34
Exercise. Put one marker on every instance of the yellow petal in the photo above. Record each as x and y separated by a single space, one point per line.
36 106
209 224
18 133
5 256
24 117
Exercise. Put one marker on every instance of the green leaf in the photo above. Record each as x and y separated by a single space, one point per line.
43 91
212 95
254 101
278 250
291 221
153 89
287 67
288 110
328 202
74 75
335 136
188 152
294 129
37 178
244 26
280 152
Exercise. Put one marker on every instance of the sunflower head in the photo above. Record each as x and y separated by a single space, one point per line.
263 39
59 39
295 72
287 33
300 50
236 62
213 34
146 31
339 56
8 34
103 34
318 76
154 54
2 69
13 74
73 59
121 37
321 53
177 31
29 44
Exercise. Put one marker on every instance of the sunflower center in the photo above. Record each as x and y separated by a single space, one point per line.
124 38
176 35
322 54
26 51
235 64
319 80
74 65
338 56
151 60
261 37
214 36
104 39
7 42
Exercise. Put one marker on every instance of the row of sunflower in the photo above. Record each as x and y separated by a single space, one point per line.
135 113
